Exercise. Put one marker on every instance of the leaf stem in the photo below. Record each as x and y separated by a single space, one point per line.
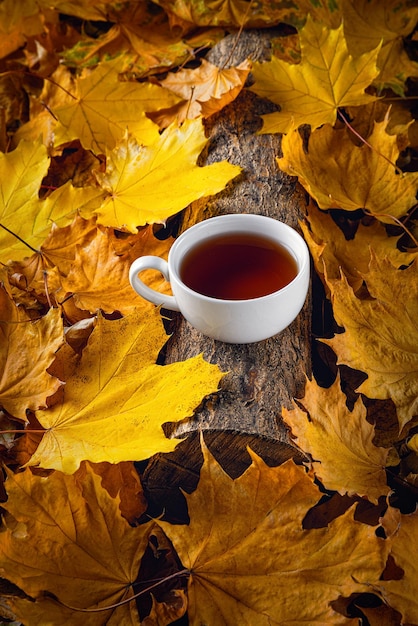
20 239
396 220
241 28
369 145
182 572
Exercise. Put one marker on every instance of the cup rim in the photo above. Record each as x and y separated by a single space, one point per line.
174 275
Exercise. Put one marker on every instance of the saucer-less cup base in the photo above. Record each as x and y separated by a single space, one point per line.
231 321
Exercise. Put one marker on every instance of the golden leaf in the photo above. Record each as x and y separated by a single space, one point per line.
99 278
249 558
27 220
380 335
391 21
339 174
65 535
118 398
328 77
402 594
100 108
147 184
27 349
332 252
339 441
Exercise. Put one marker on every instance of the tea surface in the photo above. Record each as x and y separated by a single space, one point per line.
238 266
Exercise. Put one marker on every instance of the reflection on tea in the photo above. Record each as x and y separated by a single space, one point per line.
238 266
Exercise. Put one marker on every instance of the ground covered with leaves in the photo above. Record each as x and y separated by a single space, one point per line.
103 110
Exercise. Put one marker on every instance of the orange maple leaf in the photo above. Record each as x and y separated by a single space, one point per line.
65 535
256 569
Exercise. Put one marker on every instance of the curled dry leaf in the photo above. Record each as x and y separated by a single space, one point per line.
204 90
339 441
256 569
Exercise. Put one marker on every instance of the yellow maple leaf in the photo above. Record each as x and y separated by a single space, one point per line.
339 174
311 92
27 350
100 108
256 569
26 220
339 441
369 22
332 252
380 335
118 397
67 536
147 184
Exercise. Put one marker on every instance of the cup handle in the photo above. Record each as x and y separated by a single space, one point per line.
155 263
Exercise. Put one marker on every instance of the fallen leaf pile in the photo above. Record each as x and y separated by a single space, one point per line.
103 107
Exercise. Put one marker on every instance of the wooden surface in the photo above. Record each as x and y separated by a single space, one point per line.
262 377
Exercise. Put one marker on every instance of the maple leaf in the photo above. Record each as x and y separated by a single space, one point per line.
26 220
392 22
117 398
340 441
147 184
99 278
256 569
65 535
401 594
311 92
27 349
332 252
380 335
205 90
21 173
100 108
356 176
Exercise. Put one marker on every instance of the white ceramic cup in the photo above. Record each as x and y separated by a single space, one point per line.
231 321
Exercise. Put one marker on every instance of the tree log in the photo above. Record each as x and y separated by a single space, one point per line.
262 377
